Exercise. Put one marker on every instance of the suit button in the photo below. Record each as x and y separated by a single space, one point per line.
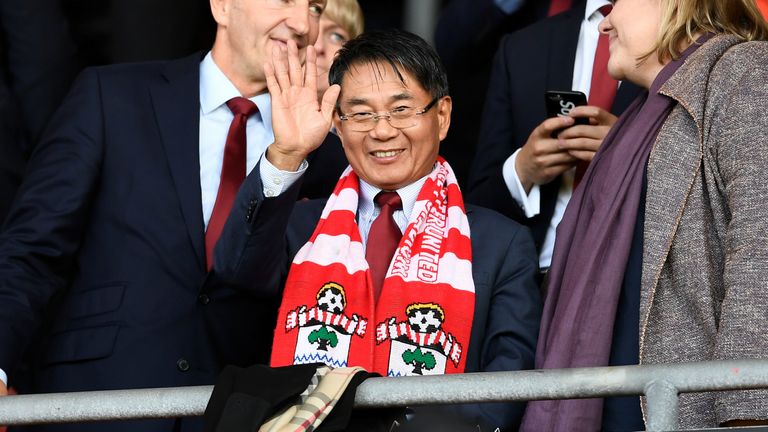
203 299
182 364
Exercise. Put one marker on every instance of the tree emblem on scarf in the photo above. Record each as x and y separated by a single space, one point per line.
323 337
419 360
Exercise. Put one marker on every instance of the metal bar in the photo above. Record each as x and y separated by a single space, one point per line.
411 391
104 405
662 400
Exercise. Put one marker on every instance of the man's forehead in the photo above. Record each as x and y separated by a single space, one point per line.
363 81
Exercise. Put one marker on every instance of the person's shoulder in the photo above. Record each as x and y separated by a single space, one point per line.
747 55
485 219
141 71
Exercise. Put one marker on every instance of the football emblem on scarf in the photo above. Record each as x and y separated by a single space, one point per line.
419 345
325 332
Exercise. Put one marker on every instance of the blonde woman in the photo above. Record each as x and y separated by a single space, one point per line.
341 21
662 255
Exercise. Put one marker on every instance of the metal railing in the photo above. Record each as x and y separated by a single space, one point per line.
661 384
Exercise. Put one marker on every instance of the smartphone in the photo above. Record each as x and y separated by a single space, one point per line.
561 102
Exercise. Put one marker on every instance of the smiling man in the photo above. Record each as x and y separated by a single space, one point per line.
393 272
107 263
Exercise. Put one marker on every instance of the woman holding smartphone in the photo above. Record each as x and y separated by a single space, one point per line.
662 255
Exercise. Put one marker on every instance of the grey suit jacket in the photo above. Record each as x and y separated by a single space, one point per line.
705 259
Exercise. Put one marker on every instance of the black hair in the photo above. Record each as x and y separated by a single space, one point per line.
403 51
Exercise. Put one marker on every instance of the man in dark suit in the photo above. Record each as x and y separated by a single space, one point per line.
108 277
553 54
391 141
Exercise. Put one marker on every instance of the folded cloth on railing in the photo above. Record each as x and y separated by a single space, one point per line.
310 397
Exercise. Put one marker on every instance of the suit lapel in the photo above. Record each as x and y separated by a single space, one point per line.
561 47
176 101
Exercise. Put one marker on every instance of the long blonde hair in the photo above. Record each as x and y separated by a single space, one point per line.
681 20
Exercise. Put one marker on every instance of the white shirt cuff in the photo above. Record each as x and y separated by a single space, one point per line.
275 181
530 202
3 377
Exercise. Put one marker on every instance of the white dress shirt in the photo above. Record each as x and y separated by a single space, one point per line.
215 118
582 81
367 210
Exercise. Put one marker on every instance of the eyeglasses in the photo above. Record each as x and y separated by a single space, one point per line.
400 117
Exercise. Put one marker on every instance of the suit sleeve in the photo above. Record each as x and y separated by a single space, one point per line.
252 249
497 141
741 160
45 226
513 324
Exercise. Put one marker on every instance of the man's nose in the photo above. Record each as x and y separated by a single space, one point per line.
382 130
298 18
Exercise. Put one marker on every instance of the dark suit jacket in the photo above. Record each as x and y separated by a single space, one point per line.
507 303
102 266
325 167
528 63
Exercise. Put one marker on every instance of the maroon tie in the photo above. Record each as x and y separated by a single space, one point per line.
232 172
557 6
603 88
383 239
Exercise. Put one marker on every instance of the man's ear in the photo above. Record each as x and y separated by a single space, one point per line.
220 11
444 107
336 121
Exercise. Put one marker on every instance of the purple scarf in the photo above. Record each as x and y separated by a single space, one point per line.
591 251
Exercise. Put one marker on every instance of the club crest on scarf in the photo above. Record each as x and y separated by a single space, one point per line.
419 346
425 309
324 332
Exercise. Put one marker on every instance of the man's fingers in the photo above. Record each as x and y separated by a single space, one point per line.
294 64
588 144
583 155
310 68
584 131
550 125
280 63
272 85
555 159
329 101
596 115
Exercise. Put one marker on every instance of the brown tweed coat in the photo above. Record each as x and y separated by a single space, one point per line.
705 259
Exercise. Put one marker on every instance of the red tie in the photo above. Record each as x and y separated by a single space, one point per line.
603 88
383 239
557 6
232 172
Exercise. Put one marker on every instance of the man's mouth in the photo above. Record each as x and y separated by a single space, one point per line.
386 153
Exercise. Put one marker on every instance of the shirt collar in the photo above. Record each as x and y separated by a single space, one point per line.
216 89
593 6
408 195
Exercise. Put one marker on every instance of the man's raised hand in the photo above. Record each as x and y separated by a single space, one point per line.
299 122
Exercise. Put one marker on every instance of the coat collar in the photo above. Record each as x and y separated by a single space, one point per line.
688 86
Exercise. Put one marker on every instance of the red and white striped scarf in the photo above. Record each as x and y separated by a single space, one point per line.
423 319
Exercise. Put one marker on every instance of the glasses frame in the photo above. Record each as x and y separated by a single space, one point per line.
385 115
